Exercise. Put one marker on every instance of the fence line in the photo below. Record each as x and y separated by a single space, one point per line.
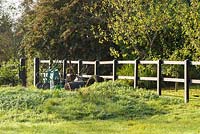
159 78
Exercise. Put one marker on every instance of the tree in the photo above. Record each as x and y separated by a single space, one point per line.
152 29
60 29
6 37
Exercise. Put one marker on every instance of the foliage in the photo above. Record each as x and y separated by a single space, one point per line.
59 29
7 44
9 73
126 70
152 29
62 30
143 71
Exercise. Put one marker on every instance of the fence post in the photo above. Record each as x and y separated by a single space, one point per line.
96 67
136 74
114 70
36 71
64 69
186 81
22 72
51 63
79 67
159 77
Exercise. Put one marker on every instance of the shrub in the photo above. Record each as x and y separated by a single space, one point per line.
143 71
126 70
9 73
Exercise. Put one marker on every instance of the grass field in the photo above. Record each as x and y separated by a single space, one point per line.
101 109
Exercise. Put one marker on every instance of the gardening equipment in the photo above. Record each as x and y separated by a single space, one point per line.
51 80
74 85
78 82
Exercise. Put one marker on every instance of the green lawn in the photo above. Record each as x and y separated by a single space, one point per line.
187 123
158 115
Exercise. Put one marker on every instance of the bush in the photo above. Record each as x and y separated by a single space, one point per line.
9 73
143 71
126 70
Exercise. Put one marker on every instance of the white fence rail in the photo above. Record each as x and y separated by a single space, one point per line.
159 78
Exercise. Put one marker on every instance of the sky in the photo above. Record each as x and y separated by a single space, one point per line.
11 2
15 13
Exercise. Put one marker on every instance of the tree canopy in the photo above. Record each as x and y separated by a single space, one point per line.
62 29
90 29
7 41
99 29
153 29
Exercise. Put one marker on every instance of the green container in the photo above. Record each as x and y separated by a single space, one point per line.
52 77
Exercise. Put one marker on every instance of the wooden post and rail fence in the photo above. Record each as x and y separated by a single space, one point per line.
159 79
22 72
135 77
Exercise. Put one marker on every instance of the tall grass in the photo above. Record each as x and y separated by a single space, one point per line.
108 100
103 108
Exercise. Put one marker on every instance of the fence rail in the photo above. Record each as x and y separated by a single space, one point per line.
159 78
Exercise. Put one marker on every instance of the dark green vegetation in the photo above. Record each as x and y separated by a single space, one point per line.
103 30
9 72
109 107
8 48
94 29
153 29
63 30
137 29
